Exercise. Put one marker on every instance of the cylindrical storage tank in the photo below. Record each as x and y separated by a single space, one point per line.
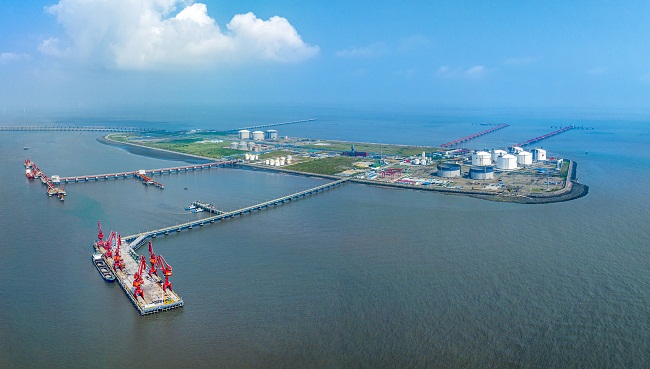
250 145
266 161
517 149
242 146
247 157
507 162
449 170
288 157
257 157
234 145
416 161
496 153
258 136
525 158
244 134
481 172
539 154
271 134
481 158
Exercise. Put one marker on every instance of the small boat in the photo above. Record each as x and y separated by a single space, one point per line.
102 267
26 148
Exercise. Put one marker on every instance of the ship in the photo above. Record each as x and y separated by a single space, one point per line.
102 267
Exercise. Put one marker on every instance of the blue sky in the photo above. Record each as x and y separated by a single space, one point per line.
474 54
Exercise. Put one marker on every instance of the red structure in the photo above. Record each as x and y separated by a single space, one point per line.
167 271
100 234
391 172
137 278
470 137
152 260
118 263
543 137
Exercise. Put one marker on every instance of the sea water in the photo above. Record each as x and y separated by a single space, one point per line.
356 276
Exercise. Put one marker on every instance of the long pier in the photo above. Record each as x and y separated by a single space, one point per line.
270 125
147 172
136 240
473 136
76 128
545 136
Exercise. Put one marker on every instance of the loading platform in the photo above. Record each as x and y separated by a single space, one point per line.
137 239
155 299
473 136
545 136
32 171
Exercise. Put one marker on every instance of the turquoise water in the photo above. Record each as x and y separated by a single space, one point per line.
356 276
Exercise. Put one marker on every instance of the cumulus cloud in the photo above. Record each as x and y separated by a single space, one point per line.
7 57
167 34
475 71
369 51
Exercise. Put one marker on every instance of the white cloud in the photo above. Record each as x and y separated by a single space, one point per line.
475 71
444 71
145 34
372 50
7 57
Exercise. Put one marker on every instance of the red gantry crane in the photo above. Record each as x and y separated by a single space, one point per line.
118 263
108 245
167 272
152 260
100 234
137 278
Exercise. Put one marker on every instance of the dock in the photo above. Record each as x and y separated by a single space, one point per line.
32 171
76 128
155 299
136 240
473 136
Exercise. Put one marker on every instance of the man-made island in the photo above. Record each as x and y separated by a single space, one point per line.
509 174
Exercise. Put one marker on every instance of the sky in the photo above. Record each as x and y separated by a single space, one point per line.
471 54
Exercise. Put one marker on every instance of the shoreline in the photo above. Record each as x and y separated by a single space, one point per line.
572 189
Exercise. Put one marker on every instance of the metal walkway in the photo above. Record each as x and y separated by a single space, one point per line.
136 240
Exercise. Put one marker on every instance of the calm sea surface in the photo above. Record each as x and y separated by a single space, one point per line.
356 276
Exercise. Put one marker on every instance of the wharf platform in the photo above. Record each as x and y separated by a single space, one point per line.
544 136
155 298
473 136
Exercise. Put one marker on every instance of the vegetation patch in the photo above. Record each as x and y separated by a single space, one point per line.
327 166
210 150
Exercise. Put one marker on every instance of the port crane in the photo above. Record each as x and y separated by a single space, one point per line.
153 260
137 278
108 245
118 263
100 234
167 271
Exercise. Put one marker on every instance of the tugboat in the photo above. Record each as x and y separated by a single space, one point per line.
102 267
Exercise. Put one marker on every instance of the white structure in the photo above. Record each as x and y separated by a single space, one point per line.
507 162
525 158
244 134
517 149
234 145
258 136
481 158
496 153
482 172
539 154
271 134
242 146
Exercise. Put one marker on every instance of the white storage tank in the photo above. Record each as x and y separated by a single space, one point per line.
258 136
234 145
250 145
481 172
525 158
507 162
481 158
244 134
242 146
517 149
496 153
539 154
271 134
266 161
449 170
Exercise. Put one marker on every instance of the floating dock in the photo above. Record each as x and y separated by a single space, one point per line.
154 298
473 136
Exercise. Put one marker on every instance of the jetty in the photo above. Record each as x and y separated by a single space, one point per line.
473 136
136 240
545 136
76 128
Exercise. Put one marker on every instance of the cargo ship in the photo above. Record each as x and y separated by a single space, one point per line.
102 267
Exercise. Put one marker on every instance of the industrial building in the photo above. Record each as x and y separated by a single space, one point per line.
496 153
271 134
507 162
539 154
524 158
481 158
481 172
244 134
449 170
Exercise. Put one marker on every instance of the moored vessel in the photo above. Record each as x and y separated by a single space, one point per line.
102 267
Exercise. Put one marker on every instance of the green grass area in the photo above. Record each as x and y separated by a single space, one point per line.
565 169
210 150
275 154
325 166
371 148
